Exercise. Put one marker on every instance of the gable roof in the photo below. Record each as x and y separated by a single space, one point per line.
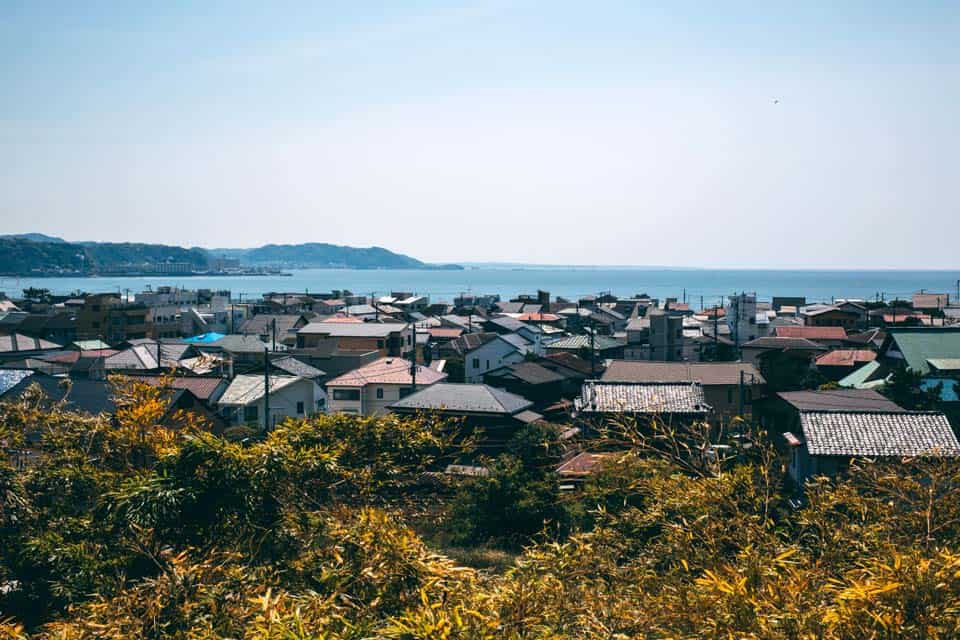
529 372
812 333
707 373
641 397
202 388
879 434
856 400
79 394
296 367
572 343
262 324
585 463
571 361
776 342
869 376
919 344
18 342
846 358
464 398
387 371
353 329
246 389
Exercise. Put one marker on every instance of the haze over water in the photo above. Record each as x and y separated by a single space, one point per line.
569 282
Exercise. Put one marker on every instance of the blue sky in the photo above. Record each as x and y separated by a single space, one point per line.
560 132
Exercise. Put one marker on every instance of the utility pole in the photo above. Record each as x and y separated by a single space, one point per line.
740 396
413 362
273 328
376 308
266 390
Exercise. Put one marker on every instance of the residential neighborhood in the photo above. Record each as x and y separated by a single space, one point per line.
500 364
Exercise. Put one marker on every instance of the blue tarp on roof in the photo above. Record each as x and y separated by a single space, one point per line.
948 392
205 338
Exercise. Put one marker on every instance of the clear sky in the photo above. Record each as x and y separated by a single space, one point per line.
544 132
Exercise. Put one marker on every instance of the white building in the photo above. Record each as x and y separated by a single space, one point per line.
742 318
368 390
243 401
493 354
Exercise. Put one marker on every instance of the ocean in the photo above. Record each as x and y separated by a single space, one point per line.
570 282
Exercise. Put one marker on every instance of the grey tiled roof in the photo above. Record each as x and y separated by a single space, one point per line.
353 329
297 367
466 398
638 397
880 434
600 343
852 400
709 373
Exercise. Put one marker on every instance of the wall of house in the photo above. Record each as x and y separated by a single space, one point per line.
488 357
283 403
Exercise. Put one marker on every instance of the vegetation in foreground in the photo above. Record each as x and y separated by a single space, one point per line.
130 530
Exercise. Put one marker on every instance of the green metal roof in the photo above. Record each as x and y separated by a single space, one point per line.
864 378
919 345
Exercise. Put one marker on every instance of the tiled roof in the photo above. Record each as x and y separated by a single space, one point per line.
812 333
775 342
707 373
531 373
387 371
353 330
296 367
846 358
600 343
571 361
445 333
263 324
203 388
878 434
585 463
9 378
464 398
538 317
510 324
855 400
19 342
638 397
245 389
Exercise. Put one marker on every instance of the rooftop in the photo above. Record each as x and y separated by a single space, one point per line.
353 330
464 398
879 434
19 342
856 400
640 397
846 358
387 371
812 333
245 389
707 373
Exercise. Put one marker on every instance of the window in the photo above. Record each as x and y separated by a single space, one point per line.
251 414
379 393
476 363
299 408
346 394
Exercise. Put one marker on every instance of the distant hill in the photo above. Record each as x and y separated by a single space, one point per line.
317 254
24 256
35 237
31 254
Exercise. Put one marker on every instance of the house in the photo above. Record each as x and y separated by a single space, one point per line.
207 390
532 380
283 327
493 353
931 301
799 348
780 413
839 363
729 388
671 402
582 466
389 339
506 325
826 336
95 397
831 316
17 346
243 402
913 347
666 336
497 412
826 441
370 389
603 347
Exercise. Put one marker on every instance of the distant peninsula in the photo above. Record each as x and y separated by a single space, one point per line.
34 254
